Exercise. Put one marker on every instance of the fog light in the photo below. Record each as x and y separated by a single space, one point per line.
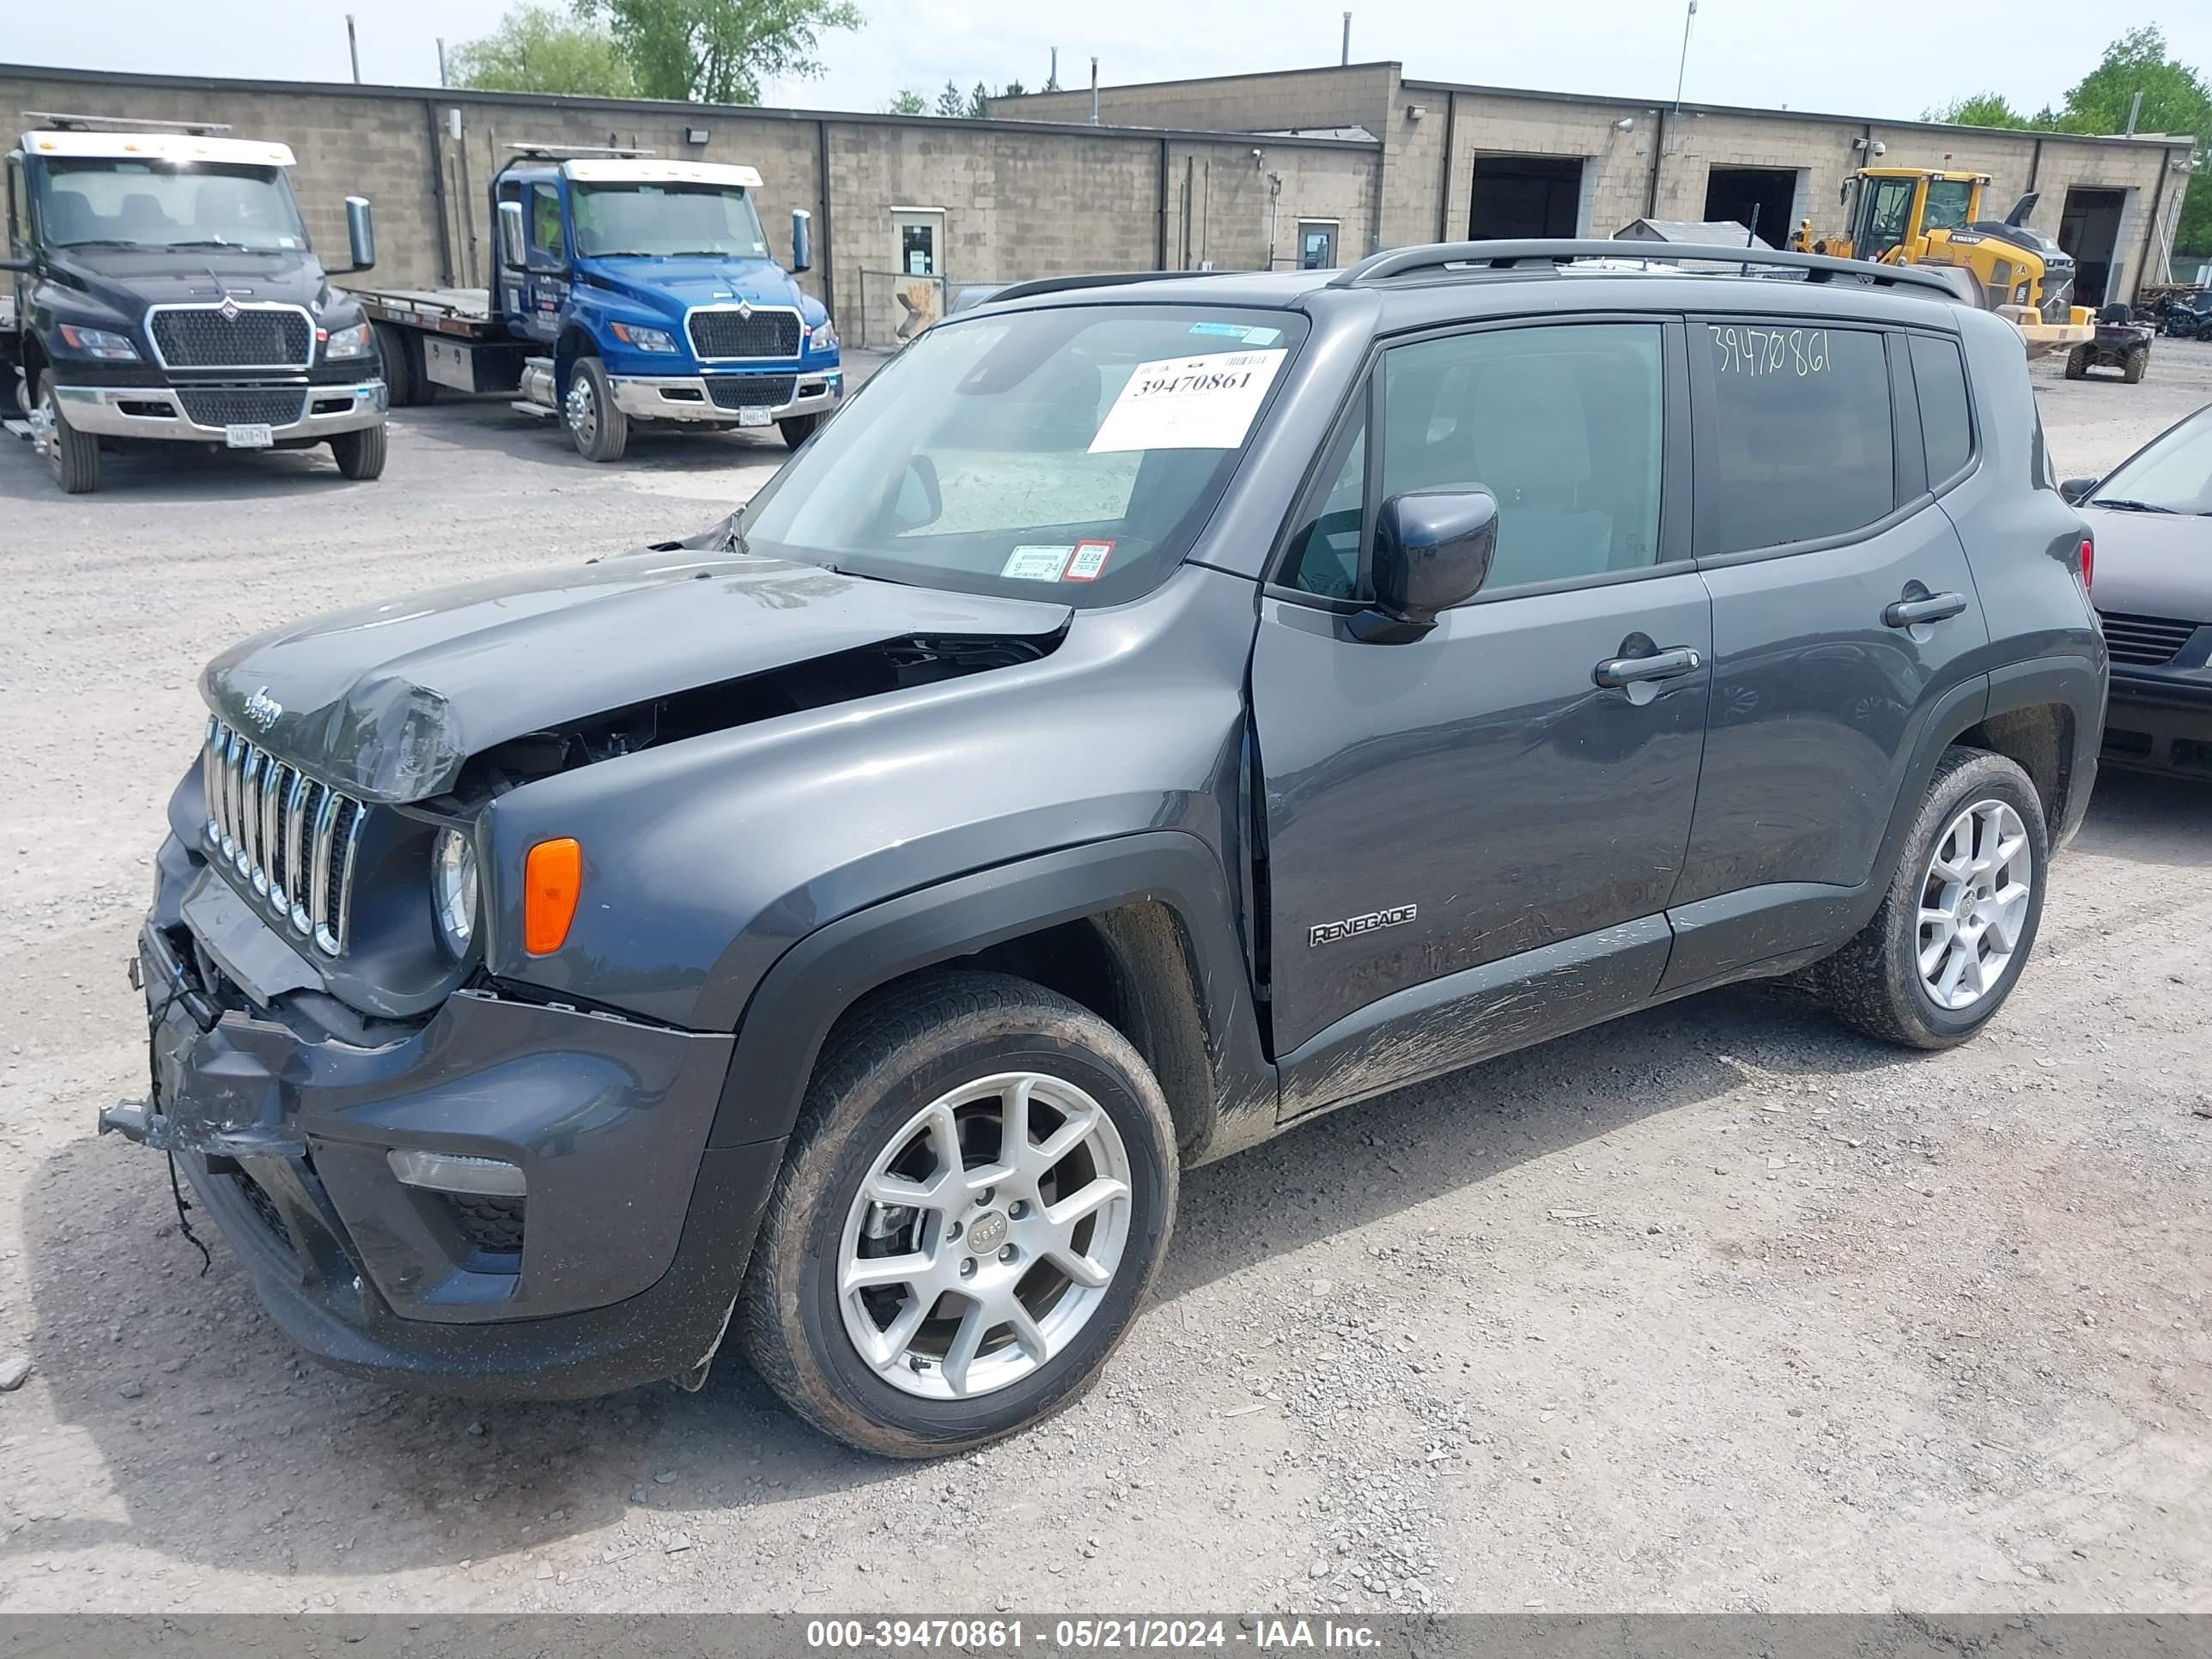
456 1172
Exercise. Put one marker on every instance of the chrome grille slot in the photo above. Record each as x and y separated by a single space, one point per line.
289 839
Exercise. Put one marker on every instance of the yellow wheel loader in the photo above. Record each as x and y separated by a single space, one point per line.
1929 216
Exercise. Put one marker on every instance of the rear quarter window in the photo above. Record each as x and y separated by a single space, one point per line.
1795 441
1947 427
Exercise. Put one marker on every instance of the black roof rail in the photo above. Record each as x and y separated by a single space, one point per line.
1473 258
1104 279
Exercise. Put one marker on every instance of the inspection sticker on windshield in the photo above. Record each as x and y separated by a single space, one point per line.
1090 559
1189 403
1037 564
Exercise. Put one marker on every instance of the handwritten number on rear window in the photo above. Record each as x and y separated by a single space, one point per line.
1770 353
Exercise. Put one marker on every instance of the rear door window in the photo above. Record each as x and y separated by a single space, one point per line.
1795 437
1947 428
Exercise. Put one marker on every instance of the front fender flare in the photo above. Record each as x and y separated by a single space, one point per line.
791 1012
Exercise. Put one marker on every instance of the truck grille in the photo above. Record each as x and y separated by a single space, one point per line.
751 391
236 405
2146 641
281 836
745 334
250 336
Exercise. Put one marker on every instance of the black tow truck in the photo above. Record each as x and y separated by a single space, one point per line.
160 288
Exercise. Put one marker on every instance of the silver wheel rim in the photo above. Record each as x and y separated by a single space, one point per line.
583 409
985 1235
1973 904
45 430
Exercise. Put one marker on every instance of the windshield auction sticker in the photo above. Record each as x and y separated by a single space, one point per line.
1037 564
1189 403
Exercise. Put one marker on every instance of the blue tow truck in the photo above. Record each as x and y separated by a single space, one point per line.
629 291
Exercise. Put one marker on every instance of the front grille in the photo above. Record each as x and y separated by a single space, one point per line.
201 336
492 1225
2145 641
238 406
281 836
746 334
265 1207
751 391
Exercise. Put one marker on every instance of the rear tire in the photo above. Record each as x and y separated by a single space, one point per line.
1880 983
598 429
360 455
399 379
2077 363
74 456
2137 365
797 428
966 1349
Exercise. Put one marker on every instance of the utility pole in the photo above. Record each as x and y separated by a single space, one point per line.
1094 92
353 49
2134 109
441 63
1052 79
1683 68
1345 56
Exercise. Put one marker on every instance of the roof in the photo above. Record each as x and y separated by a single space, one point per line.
1707 233
172 147
603 171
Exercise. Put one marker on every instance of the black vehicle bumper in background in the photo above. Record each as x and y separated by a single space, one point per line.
2161 721
616 1265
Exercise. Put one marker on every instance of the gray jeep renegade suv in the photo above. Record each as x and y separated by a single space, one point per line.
1153 713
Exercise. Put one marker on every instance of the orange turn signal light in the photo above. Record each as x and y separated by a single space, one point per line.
552 877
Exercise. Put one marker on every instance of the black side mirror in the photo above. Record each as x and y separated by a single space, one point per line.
1432 551
15 265
2074 491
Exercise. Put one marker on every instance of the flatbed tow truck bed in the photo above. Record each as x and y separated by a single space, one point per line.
465 312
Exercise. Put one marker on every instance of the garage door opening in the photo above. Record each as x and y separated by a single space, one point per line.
1760 199
1517 195
2089 229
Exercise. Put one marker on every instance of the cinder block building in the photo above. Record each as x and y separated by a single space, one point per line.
1241 171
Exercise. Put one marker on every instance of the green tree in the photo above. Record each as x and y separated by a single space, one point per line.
1012 89
2175 98
906 102
1983 109
719 51
949 102
979 102
538 48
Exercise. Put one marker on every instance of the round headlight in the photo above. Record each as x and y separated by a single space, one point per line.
454 888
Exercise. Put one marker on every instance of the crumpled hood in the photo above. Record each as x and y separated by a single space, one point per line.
2152 564
387 701
676 285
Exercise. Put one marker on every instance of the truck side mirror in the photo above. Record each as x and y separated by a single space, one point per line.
802 240
514 251
360 232
1432 551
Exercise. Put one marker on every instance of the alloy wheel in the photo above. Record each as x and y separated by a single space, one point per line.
583 409
984 1235
1974 903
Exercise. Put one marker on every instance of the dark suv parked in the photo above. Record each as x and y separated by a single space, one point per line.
1153 713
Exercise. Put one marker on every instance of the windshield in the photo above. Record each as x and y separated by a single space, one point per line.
1071 454
663 220
1949 202
2173 474
93 200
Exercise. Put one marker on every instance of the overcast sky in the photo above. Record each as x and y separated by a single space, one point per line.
1887 60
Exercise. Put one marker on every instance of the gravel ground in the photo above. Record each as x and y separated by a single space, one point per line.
1715 1308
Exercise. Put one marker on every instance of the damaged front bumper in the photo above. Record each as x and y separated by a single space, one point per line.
604 1250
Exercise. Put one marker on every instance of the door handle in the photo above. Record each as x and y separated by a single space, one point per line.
1927 608
1661 665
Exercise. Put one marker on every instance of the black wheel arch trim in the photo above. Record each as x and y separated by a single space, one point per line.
801 998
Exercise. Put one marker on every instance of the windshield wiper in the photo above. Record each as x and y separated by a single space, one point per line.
112 242
2125 506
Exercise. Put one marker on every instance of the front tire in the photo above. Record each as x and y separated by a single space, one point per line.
598 429
921 1285
2077 363
1954 930
360 455
797 428
73 456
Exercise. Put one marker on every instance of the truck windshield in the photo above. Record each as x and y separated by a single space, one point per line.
89 201
1071 453
662 221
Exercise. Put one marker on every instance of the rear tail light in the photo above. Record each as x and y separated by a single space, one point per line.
2088 563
